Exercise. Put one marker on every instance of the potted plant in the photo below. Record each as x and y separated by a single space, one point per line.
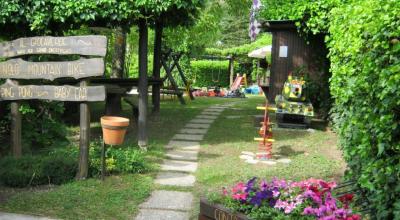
279 199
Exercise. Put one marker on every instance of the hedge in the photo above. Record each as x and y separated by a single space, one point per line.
60 165
363 40
209 73
365 55
242 50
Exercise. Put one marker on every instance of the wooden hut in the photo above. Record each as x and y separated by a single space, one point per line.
290 51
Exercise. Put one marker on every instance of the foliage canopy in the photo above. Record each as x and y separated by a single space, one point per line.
54 15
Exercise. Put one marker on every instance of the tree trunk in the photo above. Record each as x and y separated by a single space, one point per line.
113 102
157 66
143 84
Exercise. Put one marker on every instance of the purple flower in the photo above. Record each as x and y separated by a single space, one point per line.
342 213
260 196
263 185
250 184
308 211
329 217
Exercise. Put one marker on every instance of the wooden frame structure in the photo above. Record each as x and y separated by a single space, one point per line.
81 69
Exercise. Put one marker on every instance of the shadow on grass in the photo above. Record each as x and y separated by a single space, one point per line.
287 151
209 156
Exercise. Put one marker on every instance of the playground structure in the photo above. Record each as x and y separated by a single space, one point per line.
293 109
233 92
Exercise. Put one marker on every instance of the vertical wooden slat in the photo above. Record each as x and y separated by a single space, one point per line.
16 128
157 66
231 70
84 142
143 83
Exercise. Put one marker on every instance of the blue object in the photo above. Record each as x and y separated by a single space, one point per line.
252 90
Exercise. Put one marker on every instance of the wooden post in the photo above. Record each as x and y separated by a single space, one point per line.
16 128
171 79
181 73
157 66
231 70
143 83
84 141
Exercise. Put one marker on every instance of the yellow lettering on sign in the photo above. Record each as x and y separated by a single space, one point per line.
25 92
62 92
9 69
80 94
7 92
75 69
221 215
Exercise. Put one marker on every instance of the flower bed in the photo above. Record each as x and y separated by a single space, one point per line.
280 199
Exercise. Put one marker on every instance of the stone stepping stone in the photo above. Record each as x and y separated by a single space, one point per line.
284 160
233 116
184 145
219 110
169 200
151 214
210 113
202 121
192 125
206 117
175 179
188 137
180 166
182 155
193 131
12 216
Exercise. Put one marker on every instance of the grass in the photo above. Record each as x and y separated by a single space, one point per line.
313 153
115 198
119 196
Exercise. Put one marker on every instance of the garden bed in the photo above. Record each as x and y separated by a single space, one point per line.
209 211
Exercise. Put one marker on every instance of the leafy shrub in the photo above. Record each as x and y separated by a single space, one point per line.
209 73
118 160
21 172
365 55
42 124
59 169
363 40
55 168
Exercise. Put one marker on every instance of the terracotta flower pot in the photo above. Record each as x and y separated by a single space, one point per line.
114 129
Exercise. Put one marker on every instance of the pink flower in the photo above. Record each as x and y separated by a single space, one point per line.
240 196
289 208
240 187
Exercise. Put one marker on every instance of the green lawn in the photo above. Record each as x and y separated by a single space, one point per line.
119 196
313 154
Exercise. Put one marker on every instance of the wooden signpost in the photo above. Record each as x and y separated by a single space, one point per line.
79 69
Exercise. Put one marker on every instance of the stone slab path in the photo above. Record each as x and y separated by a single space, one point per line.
178 168
12 216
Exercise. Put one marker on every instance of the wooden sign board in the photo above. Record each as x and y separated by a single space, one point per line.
20 69
91 45
9 91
